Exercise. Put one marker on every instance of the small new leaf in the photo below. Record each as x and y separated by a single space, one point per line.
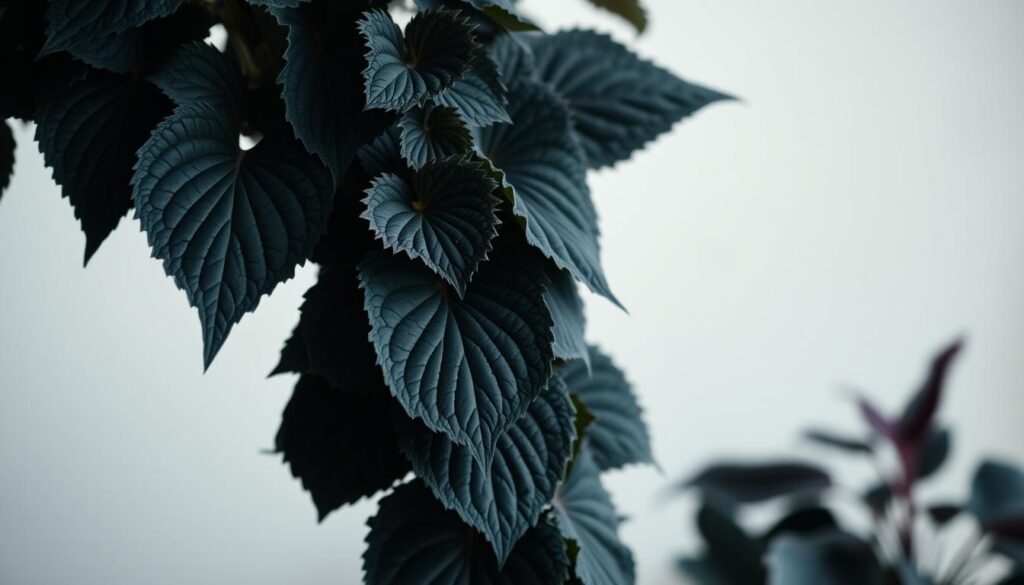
430 133
444 216
437 49
414 540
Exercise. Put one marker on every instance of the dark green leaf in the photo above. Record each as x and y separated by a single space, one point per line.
755 482
340 444
804 521
933 452
468 367
504 499
120 52
943 513
586 514
278 3
198 72
630 10
401 73
383 154
504 13
619 102
832 557
332 337
88 135
514 58
413 540
7 146
229 224
997 493
735 555
430 133
618 436
918 415
322 85
584 420
701 571
73 23
567 312
543 165
480 96
838 442
444 216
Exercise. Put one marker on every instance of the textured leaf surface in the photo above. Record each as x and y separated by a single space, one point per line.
480 96
513 57
198 72
332 337
88 135
402 72
567 312
229 224
755 482
444 216
467 367
7 146
504 499
72 23
322 85
618 436
413 540
619 102
630 10
430 133
832 557
543 164
384 154
341 445
586 514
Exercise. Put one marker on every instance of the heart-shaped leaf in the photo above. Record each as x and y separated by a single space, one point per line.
444 216
430 133
586 515
340 444
6 156
229 224
469 367
755 482
414 540
619 101
480 96
832 557
566 308
504 499
402 72
332 337
543 164
630 10
321 81
73 23
88 135
618 436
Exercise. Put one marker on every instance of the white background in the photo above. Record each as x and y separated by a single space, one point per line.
860 207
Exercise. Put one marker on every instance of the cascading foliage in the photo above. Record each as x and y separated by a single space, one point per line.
436 173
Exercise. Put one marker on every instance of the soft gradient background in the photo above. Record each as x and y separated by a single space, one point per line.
861 206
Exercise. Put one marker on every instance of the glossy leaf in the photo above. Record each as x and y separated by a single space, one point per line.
833 557
480 96
331 339
341 445
586 515
543 165
402 72
506 498
918 415
413 540
74 23
7 147
566 308
198 72
618 436
430 133
619 101
88 135
470 367
755 482
444 216
630 10
229 224
322 85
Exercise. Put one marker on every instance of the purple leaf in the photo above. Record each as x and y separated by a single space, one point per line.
920 411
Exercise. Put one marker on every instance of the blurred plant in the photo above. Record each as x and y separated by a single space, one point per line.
909 542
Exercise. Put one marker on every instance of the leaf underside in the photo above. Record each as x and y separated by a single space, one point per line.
567 312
